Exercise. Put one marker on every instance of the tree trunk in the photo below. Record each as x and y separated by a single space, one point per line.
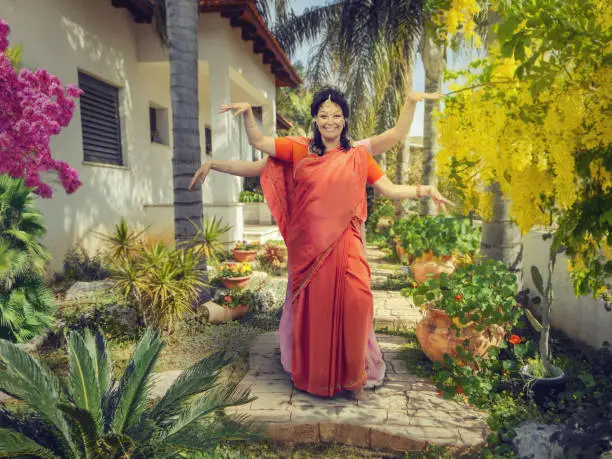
434 62
182 24
501 238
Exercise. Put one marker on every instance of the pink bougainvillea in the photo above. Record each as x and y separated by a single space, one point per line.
34 106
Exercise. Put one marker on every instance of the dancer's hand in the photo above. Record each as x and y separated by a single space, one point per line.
415 97
239 107
200 174
440 201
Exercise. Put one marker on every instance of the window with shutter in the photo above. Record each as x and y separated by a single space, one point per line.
100 121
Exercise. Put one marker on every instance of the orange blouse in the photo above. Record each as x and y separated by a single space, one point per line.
293 152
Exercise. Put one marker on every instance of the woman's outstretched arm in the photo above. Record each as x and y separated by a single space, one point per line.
233 167
400 192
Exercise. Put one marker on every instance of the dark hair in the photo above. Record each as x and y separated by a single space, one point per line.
337 97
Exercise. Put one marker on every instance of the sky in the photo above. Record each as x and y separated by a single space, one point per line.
418 81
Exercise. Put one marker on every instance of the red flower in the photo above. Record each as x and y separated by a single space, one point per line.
440 393
228 299
415 285
458 297
514 339
460 390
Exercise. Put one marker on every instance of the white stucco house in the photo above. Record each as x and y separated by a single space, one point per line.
121 135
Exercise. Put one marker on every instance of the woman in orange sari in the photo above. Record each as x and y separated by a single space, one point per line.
316 191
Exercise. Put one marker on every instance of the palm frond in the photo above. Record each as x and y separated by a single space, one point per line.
221 397
198 378
26 379
128 400
84 427
13 444
208 435
83 383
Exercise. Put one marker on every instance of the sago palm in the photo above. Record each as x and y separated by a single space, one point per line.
89 415
26 305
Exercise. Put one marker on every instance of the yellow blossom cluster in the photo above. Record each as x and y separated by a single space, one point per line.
459 18
528 145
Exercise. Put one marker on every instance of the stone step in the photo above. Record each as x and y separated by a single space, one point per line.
404 414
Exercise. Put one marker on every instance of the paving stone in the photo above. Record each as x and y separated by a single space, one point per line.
265 386
398 417
391 400
304 399
311 414
270 416
270 401
473 436
359 415
294 433
395 441
344 433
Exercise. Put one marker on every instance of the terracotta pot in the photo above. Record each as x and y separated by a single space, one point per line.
218 314
244 255
399 250
437 336
424 268
236 282
239 311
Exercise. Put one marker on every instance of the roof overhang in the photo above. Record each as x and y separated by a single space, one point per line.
242 14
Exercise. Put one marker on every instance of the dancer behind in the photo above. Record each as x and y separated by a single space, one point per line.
315 190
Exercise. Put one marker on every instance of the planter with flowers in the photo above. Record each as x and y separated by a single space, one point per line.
245 251
432 245
473 308
229 305
235 275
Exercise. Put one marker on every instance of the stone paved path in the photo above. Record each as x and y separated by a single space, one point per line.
404 414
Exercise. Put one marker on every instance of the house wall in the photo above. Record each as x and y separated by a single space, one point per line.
65 36
581 318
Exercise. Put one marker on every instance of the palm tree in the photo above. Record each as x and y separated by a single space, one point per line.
26 304
87 415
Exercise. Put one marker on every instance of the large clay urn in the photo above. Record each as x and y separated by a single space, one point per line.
429 267
218 314
437 336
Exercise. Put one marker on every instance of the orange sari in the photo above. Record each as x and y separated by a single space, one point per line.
319 205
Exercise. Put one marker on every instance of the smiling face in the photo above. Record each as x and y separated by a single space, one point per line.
330 121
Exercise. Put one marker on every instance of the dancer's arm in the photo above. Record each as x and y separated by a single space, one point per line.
400 192
385 141
234 167
257 140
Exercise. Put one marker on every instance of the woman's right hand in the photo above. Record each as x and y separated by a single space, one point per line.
239 107
200 174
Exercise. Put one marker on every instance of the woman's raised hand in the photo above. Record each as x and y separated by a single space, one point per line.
421 96
239 107
200 174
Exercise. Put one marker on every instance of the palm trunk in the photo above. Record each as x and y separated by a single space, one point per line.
434 62
182 26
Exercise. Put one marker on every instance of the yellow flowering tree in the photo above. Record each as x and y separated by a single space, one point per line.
536 119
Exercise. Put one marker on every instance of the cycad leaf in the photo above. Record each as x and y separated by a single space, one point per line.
84 427
14 444
216 399
83 383
196 379
26 379
129 399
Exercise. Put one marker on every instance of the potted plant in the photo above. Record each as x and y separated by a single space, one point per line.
431 245
477 305
230 305
235 275
245 250
274 258
541 374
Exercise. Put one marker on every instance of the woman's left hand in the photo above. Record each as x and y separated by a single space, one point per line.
440 201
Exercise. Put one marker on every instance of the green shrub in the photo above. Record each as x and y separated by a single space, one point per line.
26 304
87 415
80 266
249 196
